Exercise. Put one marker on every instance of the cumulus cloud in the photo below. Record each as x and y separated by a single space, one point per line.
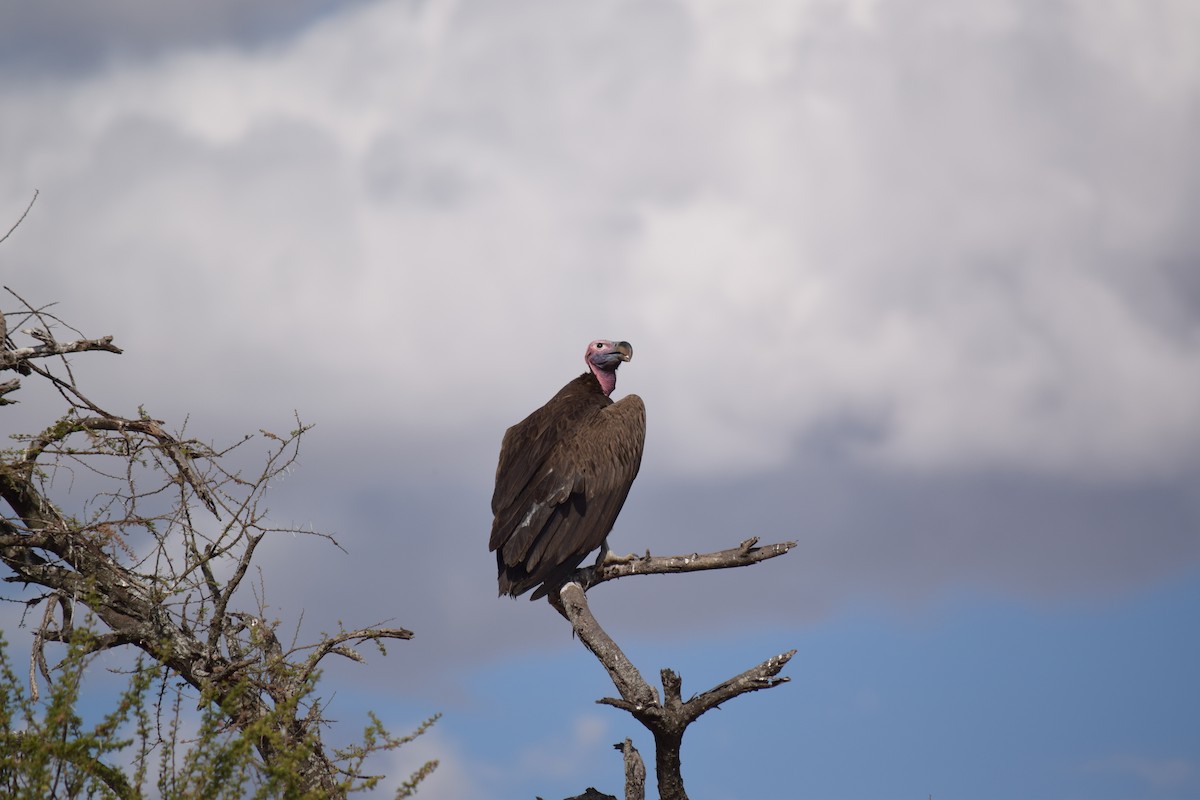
455 776
847 240
803 220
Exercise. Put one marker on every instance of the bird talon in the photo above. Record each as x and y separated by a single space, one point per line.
612 558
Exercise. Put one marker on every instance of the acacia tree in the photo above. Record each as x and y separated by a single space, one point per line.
158 556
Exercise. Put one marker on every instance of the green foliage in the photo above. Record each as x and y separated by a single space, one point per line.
46 750
257 731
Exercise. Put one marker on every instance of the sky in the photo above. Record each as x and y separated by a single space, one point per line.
914 284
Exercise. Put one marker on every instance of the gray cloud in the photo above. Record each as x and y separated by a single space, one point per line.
979 265
913 287
60 38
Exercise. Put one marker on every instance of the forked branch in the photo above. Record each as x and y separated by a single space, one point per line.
336 644
666 719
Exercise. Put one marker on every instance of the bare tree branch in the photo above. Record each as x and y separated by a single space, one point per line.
635 771
332 644
666 719
8 386
637 693
763 676
744 555
9 359
24 214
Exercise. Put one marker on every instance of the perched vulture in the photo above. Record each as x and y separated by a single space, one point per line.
564 473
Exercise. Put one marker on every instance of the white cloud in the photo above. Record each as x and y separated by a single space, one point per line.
1152 44
1157 773
453 777
465 775
946 228
562 758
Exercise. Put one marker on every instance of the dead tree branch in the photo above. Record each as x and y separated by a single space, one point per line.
625 676
10 359
666 719
744 555
635 771
7 387
21 219
334 644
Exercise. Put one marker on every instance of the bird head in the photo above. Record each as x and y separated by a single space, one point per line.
607 356
603 357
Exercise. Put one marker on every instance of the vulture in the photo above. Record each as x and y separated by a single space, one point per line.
564 473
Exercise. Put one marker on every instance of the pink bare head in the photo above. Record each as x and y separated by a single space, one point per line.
603 357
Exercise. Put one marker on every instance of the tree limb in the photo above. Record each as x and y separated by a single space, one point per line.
331 644
763 676
21 219
635 770
9 359
636 693
666 720
744 555
8 387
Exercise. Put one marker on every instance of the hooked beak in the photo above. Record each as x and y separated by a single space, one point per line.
624 350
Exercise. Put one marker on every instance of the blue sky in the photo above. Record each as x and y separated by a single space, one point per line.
976 697
914 285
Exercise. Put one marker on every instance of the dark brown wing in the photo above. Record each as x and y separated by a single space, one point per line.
524 452
562 480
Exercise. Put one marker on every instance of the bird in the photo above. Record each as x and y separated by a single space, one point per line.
563 475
